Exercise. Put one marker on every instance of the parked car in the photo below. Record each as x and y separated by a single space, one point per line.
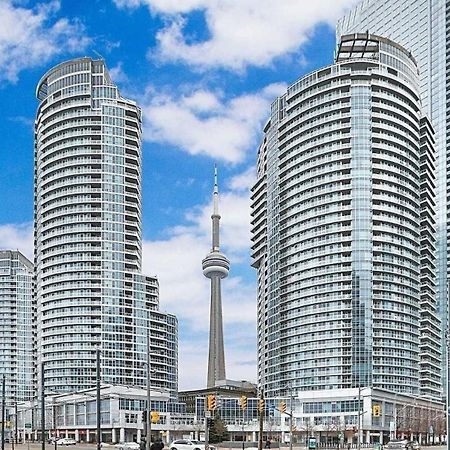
127 446
402 444
189 444
397 444
66 441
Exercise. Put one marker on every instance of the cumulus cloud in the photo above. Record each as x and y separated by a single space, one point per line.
243 181
17 237
202 122
118 75
30 37
241 32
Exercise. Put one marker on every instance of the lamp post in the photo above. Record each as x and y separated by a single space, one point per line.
99 431
447 373
292 416
359 418
3 410
148 441
42 406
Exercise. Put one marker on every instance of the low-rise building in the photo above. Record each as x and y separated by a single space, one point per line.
332 416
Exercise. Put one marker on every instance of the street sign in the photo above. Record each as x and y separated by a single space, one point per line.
28 425
341 435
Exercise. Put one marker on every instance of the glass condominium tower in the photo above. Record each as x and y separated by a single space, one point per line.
90 291
17 325
343 228
421 26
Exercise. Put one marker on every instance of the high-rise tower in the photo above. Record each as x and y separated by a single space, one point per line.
16 325
215 267
88 237
422 27
343 226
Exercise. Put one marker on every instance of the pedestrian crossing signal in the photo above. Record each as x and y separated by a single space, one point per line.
154 416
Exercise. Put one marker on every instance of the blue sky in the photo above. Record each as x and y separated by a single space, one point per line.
204 73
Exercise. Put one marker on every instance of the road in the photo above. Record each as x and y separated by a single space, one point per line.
37 446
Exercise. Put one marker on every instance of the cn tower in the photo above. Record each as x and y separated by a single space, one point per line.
215 267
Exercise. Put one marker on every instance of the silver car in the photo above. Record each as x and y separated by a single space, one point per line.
189 444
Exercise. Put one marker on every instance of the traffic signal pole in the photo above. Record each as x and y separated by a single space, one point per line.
206 433
261 422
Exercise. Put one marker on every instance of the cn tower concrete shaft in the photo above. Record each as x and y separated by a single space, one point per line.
215 267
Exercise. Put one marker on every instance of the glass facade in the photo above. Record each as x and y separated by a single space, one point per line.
88 237
336 216
420 27
17 325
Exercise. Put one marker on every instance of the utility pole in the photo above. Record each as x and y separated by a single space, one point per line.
42 406
15 423
261 422
292 416
359 417
447 397
148 441
99 431
54 426
3 410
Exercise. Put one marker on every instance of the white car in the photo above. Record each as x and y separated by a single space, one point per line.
189 444
66 441
128 446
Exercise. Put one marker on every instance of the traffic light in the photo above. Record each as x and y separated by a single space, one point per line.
209 422
154 416
243 402
144 416
376 410
211 402
261 405
282 407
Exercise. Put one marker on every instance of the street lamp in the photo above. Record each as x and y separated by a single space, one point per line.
447 373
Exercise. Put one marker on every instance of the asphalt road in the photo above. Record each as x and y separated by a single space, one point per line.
37 446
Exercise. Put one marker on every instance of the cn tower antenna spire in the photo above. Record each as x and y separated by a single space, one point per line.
216 193
215 267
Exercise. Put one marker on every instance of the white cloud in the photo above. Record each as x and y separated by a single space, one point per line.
17 237
31 37
202 122
117 74
242 32
243 181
